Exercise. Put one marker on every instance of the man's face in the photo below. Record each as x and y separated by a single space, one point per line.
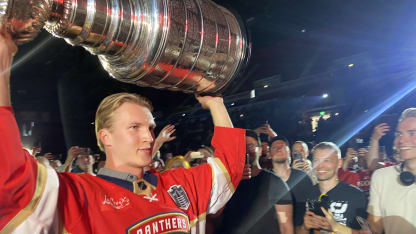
131 137
298 148
279 151
252 148
326 164
405 141
84 161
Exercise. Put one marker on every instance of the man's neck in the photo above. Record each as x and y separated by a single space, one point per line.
410 165
282 170
139 172
327 185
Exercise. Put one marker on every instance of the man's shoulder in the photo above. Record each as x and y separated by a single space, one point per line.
271 174
386 172
273 177
349 189
298 172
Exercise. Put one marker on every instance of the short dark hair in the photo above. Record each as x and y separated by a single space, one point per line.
279 138
252 133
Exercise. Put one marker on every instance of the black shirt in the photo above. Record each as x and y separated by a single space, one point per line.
251 208
300 184
346 202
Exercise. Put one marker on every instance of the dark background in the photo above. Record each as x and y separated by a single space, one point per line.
362 53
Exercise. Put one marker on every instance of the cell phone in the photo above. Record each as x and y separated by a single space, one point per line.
297 157
247 159
315 206
195 155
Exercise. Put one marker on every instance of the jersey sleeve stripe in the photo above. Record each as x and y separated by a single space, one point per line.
29 209
224 171
222 187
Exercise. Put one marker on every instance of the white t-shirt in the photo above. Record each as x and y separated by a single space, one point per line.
392 201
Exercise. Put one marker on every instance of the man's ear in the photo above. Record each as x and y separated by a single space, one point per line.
340 162
105 137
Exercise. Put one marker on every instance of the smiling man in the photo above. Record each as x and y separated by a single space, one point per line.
344 201
122 198
391 209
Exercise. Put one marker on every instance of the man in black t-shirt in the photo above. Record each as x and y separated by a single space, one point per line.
298 181
261 202
333 206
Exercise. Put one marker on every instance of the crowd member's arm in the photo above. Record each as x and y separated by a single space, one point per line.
163 137
72 154
376 224
284 214
374 209
313 221
266 129
351 153
373 157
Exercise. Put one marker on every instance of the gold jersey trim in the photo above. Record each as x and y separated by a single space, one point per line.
30 208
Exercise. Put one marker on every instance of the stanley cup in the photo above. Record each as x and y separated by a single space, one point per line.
194 46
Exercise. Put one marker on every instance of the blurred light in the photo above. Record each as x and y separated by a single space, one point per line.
366 111
253 93
325 95
242 115
232 104
336 114
351 65
303 30
183 115
92 123
266 86
322 113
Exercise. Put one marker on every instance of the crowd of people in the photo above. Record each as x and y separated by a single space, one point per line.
246 181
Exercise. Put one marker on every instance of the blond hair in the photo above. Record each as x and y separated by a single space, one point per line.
105 112
409 112
327 145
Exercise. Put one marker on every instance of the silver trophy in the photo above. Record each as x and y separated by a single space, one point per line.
195 46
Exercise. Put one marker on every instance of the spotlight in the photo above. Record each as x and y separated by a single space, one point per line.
242 116
351 65
232 104
266 86
325 95
183 115
336 114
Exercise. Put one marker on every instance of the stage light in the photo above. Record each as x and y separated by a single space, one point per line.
325 95
336 114
303 30
242 116
232 104
183 115
322 113
351 65
253 93
266 86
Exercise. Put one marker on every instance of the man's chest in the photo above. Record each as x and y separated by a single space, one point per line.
115 210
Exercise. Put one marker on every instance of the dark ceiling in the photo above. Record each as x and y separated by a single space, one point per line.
58 83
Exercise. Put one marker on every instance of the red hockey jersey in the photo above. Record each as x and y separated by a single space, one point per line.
36 199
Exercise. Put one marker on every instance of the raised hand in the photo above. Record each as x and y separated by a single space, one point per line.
166 134
207 102
266 129
379 131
